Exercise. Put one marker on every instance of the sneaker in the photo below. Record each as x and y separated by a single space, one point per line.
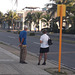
38 63
23 62
44 63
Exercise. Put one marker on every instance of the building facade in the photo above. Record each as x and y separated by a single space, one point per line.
19 24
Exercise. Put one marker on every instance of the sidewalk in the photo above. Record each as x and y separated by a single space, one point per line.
9 63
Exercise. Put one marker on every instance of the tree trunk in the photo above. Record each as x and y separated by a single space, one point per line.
30 26
38 25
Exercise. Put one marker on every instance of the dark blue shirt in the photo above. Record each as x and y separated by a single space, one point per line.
22 35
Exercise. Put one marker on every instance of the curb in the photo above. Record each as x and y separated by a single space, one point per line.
35 55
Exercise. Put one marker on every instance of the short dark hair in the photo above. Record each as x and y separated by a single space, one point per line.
44 31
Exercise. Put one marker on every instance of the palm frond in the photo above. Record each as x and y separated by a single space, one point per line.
16 2
44 20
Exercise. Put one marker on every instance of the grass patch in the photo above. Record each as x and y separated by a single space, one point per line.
8 30
3 43
59 73
18 32
64 71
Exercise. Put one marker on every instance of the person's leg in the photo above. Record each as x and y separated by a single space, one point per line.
24 53
21 51
40 57
45 57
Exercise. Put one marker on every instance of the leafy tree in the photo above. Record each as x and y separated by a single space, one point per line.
53 25
10 17
38 17
1 17
28 19
46 18
69 8
34 18
71 17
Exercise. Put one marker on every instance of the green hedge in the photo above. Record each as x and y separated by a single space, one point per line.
32 34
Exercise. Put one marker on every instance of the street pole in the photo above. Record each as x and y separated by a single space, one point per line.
12 20
12 15
61 11
60 39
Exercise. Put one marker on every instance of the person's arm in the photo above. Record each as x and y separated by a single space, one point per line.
22 41
19 40
41 41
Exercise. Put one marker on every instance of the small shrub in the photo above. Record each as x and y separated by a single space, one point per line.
59 73
32 34
70 31
19 32
15 32
8 31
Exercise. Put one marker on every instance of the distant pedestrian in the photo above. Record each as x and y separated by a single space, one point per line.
35 29
13 26
44 49
23 45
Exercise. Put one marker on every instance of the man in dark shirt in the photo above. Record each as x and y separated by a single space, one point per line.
23 45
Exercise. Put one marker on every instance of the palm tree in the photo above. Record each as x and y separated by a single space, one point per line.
38 17
69 4
16 2
72 17
46 18
9 18
53 25
53 9
34 19
28 19
1 17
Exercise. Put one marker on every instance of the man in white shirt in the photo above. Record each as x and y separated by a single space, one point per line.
44 48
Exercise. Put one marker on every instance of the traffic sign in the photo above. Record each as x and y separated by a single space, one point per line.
63 8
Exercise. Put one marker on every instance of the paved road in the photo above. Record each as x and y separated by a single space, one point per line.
68 50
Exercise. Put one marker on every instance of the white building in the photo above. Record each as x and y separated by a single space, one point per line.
20 23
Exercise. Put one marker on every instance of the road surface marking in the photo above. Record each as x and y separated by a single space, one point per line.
36 43
8 53
62 52
11 37
5 42
72 52
6 60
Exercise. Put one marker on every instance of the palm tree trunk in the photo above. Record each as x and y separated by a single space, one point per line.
38 25
30 26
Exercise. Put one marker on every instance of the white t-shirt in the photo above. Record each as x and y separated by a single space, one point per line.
44 38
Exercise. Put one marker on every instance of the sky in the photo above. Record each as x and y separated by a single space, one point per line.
6 5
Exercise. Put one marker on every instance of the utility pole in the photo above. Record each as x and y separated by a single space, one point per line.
16 2
12 14
61 11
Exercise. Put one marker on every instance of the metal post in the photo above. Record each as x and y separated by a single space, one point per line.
60 39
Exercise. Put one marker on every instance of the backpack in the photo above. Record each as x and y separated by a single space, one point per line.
50 42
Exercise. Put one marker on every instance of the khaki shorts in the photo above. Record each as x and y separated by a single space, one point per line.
24 45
